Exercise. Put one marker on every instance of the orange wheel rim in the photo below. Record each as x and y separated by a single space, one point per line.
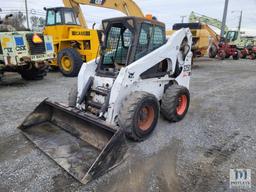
146 117
182 106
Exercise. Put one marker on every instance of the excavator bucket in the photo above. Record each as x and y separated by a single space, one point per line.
84 146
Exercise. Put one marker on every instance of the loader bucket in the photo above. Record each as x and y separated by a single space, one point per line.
84 146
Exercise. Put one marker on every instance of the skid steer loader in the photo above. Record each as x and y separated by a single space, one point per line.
138 74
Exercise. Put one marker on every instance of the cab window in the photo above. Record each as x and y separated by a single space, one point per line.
159 37
127 38
58 17
231 36
151 37
69 18
144 40
118 43
50 17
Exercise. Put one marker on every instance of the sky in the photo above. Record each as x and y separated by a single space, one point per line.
167 11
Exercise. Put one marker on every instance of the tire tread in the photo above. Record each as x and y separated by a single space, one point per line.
77 61
169 102
127 110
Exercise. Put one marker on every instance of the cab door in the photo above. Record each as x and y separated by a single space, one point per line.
53 24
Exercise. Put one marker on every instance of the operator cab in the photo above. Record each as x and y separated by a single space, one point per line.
127 39
231 36
61 16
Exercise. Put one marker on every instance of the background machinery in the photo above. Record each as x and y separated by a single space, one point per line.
24 52
234 42
139 74
249 52
74 42
203 38
196 17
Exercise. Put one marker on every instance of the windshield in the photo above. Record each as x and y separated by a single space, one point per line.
69 18
231 36
50 17
61 17
118 43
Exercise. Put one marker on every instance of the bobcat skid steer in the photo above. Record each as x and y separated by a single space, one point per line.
139 74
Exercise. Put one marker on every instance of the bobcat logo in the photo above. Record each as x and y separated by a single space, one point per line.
131 75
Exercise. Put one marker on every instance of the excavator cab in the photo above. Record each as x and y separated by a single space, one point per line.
61 16
231 36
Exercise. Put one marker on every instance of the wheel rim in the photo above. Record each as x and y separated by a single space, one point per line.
146 117
182 106
66 63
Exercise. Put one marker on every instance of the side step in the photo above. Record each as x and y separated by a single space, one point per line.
100 92
95 104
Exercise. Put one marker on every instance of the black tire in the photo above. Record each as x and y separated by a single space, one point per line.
243 56
72 96
132 117
171 102
252 56
53 68
227 56
236 56
222 54
213 51
75 60
33 74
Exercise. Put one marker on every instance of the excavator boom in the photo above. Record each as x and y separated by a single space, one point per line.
128 7
196 17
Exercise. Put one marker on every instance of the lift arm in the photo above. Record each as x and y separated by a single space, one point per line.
196 17
128 7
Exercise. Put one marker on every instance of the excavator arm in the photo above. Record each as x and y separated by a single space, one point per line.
128 7
215 38
196 17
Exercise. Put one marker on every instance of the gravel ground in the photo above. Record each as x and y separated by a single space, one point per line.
196 154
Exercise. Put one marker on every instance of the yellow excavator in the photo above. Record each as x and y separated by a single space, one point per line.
74 42
205 40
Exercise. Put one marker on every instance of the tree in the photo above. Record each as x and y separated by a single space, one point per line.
37 23
17 21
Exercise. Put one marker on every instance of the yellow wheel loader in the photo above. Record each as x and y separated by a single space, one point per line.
74 42
138 74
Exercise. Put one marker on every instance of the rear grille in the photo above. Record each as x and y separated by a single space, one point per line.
36 48
1 50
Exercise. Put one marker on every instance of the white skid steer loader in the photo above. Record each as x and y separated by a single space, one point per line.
139 74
